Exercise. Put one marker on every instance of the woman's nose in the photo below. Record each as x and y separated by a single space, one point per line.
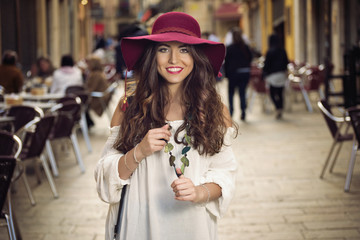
173 57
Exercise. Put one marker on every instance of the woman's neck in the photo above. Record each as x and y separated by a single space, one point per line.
175 108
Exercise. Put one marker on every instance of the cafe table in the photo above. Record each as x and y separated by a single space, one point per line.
43 105
42 97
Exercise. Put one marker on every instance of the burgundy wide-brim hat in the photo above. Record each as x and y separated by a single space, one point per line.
173 26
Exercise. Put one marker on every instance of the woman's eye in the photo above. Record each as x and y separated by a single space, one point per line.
162 49
184 50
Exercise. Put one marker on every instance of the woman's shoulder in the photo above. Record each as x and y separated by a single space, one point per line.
227 116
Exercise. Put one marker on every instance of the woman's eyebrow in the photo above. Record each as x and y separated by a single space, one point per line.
163 44
166 45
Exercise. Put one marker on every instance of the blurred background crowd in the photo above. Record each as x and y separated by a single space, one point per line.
51 39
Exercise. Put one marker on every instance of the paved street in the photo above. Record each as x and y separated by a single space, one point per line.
279 194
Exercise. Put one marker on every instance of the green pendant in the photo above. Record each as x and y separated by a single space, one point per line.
185 149
187 139
183 169
168 147
172 160
185 161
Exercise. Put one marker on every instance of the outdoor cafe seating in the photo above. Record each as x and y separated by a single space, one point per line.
67 115
7 167
354 114
80 92
11 170
36 133
345 127
336 125
305 78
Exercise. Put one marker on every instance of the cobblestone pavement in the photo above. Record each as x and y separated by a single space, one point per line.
279 194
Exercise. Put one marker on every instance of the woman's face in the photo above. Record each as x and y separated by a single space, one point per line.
174 61
44 65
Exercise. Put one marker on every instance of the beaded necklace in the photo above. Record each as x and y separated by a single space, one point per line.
185 161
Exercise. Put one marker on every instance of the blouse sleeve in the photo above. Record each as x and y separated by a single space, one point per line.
108 182
222 171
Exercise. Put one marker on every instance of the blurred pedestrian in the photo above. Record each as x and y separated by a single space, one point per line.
237 70
67 75
41 72
100 48
170 146
11 77
229 38
96 82
275 73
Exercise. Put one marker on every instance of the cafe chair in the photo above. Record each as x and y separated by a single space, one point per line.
110 72
80 92
335 125
67 114
308 79
2 93
354 114
74 89
101 97
66 99
7 167
23 115
11 145
36 134
48 147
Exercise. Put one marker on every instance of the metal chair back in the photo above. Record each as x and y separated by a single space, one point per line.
71 108
23 115
330 119
354 114
10 144
35 139
7 167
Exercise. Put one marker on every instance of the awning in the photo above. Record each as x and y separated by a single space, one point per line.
98 28
228 11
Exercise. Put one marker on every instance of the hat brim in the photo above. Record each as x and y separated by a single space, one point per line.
133 47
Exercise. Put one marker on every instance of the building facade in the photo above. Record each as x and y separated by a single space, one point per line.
311 30
50 28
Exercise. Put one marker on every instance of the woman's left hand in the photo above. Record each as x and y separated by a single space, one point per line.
184 189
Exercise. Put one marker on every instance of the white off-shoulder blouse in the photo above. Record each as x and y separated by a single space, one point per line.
150 210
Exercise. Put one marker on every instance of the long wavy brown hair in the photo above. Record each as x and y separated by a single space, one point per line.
204 108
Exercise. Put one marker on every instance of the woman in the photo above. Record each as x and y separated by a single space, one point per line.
67 75
96 82
44 67
237 70
275 72
171 145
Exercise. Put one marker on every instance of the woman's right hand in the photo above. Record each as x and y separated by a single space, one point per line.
154 141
